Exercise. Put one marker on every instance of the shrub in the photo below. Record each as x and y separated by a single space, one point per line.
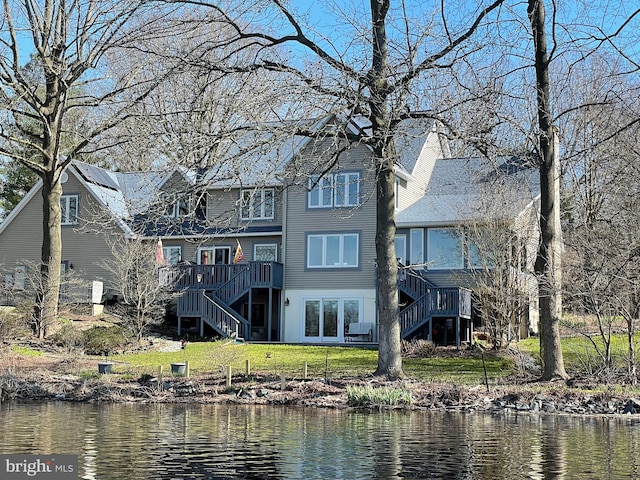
104 340
417 348
68 336
367 396
12 324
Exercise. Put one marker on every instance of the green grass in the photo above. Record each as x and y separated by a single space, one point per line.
576 351
26 351
334 362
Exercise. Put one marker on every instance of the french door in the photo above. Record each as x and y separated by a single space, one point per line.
325 319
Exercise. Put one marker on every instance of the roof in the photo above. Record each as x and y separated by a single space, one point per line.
468 189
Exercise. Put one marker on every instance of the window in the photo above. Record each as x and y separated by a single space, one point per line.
69 209
445 249
401 248
257 204
265 252
328 318
332 250
335 190
177 206
214 255
172 255
417 246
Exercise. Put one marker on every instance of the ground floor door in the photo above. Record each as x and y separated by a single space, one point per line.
326 319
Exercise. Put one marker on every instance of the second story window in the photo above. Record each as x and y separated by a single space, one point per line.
69 209
335 190
177 206
257 204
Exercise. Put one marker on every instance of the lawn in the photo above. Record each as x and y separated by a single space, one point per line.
333 362
579 352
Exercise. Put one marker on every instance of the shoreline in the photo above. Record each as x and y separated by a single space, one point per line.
258 389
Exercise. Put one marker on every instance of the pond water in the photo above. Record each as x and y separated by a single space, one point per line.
179 441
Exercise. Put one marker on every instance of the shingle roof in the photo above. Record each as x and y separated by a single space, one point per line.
466 189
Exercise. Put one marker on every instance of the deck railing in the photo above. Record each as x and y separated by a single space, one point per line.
436 302
214 277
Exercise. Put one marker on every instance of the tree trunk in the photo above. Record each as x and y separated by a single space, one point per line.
389 352
47 295
548 262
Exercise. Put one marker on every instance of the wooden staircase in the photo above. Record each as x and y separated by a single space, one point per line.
211 291
428 301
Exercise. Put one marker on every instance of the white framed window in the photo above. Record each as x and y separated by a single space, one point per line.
417 246
335 250
257 204
444 249
214 255
265 252
69 209
177 206
172 254
335 190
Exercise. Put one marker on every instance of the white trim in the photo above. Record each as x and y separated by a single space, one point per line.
259 194
324 238
64 212
322 297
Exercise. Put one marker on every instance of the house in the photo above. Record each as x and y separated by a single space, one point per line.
278 244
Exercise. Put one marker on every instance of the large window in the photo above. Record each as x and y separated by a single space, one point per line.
444 249
335 190
332 250
329 318
257 204
69 209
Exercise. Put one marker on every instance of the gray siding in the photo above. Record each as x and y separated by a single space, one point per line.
84 246
302 220
223 209
190 247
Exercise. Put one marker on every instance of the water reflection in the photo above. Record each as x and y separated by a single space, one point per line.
220 442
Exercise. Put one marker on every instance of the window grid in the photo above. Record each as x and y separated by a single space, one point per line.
335 190
257 204
333 250
69 209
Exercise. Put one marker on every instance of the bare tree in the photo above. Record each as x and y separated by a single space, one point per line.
548 263
66 41
501 244
143 284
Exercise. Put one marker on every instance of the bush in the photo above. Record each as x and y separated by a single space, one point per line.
104 340
12 324
417 348
68 336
